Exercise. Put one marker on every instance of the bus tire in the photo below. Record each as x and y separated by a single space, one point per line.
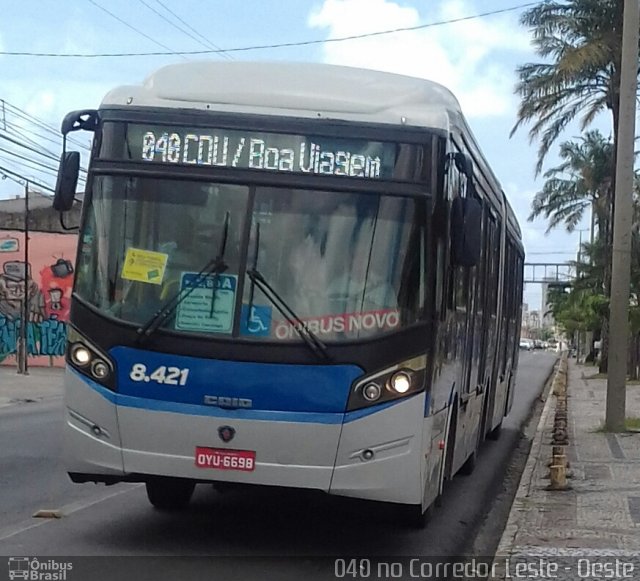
470 464
166 493
414 517
495 433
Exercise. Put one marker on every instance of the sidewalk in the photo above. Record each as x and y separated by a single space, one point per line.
600 514
42 383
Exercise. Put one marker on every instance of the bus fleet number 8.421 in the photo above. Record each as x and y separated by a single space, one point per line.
163 374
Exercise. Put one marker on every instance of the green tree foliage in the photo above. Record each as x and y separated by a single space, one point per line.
581 44
581 181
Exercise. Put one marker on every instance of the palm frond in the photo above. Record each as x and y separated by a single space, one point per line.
582 39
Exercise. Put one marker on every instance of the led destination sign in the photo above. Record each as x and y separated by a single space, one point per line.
263 151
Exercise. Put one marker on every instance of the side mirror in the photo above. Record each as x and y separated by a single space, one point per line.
464 164
67 181
466 231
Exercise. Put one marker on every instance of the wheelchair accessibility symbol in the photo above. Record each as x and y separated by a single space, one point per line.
257 323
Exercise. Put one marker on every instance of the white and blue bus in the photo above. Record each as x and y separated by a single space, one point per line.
288 274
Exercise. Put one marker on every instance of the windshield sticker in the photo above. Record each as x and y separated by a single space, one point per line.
258 324
144 265
209 306
348 323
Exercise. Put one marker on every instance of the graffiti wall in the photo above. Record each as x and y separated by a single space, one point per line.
49 282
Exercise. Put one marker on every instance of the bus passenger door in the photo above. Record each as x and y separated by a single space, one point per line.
487 370
469 408
507 340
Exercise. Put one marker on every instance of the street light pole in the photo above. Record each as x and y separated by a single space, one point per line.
622 221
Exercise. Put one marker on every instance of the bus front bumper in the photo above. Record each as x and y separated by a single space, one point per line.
374 454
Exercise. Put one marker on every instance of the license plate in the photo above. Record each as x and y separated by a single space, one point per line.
222 459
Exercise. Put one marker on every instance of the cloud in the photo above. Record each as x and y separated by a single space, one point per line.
56 98
41 103
461 56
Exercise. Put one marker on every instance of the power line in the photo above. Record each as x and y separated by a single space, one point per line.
24 154
29 160
259 47
206 40
206 44
132 27
47 155
31 149
17 134
33 164
21 113
30 165
18 112
20 132
12 174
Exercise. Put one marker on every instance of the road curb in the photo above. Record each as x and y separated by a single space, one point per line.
505 546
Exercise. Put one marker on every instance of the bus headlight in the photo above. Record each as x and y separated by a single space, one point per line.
80 355
401 380
99 370
371 392
89 359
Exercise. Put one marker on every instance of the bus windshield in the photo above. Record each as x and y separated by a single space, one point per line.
348 264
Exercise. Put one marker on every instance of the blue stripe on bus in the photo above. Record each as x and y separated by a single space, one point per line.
364 412
240 414
272 387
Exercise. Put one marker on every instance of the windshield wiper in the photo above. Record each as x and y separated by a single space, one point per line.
215 266
308 336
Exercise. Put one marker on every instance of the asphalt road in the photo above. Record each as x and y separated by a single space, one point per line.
118 521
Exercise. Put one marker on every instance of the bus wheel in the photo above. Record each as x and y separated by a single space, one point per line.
169 493
470 465
414 517
495 433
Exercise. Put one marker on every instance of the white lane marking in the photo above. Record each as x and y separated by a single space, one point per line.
65 511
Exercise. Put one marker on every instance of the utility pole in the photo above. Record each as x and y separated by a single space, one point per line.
593 223
23 352
622 221
580 231
582 348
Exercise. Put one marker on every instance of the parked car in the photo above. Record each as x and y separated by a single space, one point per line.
526 344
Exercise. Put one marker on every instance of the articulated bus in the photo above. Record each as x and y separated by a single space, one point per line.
293 275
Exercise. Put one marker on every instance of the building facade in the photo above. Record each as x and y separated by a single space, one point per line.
46 282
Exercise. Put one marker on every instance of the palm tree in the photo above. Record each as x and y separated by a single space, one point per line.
583 41
581 181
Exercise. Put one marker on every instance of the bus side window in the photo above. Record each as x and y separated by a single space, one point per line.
454 188
440 279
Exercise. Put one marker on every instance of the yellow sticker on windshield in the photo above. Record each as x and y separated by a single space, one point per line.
144 265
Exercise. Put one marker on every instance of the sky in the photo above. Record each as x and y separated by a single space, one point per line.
475 58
